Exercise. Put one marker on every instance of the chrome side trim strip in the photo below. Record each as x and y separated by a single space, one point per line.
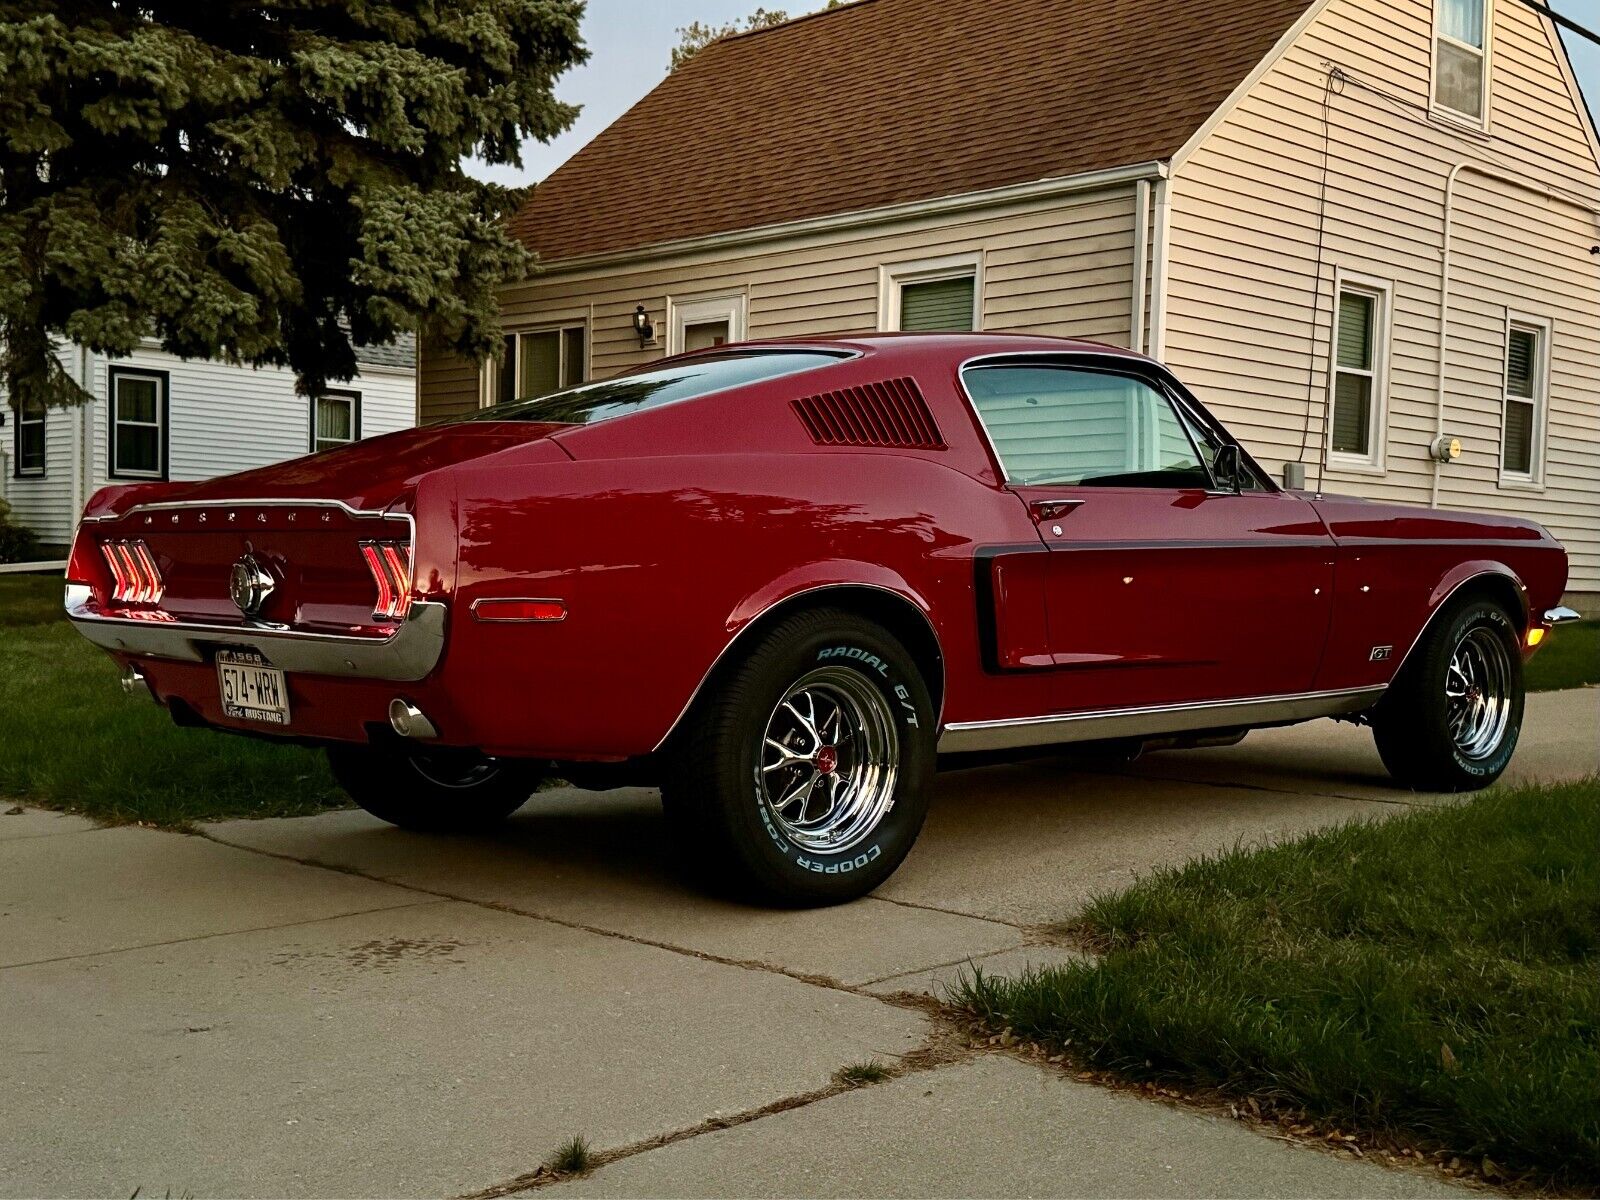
1064 728
406 656
249 502
1560 614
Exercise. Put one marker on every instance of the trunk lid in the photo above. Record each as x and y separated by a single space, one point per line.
324 544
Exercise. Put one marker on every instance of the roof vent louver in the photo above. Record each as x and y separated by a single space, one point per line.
890 414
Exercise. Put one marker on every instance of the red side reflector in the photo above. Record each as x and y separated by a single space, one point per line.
519 610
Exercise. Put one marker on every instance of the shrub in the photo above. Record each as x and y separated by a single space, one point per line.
17 543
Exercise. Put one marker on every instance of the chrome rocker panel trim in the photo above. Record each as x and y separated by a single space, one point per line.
1561 614
1063 728
406 656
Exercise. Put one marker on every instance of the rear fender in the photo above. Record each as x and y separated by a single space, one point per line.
810 584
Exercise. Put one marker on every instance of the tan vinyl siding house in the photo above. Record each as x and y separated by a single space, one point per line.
1266 194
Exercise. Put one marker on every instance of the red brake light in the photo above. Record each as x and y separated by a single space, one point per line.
135 578
390 565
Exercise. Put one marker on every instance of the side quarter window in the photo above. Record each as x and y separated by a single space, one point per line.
1060 425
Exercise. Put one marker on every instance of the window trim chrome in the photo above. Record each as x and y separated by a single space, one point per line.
1118 362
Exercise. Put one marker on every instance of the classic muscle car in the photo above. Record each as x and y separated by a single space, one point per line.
783 580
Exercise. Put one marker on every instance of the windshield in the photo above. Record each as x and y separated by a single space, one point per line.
700 376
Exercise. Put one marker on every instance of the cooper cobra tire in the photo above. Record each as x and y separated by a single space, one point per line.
1450 720
801 778
442 792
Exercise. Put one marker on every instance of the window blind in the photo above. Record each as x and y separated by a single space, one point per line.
938 306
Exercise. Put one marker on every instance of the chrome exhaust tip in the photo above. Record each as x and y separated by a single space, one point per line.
134 684
406 719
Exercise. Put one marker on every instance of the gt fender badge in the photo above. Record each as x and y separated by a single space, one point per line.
1380 653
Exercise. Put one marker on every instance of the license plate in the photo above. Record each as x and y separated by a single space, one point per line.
251 690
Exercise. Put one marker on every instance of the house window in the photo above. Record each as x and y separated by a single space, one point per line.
1526 387
335 420
939 296
138 424
540 362
1461 58
705 323
30 440
1357 416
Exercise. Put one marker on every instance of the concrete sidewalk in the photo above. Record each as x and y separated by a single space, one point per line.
330 1007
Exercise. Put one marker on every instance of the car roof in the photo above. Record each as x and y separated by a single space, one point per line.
945 345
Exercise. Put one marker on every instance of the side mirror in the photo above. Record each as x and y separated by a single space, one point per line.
1229 469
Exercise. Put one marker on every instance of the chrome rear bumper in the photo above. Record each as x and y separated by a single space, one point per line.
409 654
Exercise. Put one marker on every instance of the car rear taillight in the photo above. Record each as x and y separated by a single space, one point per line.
390 564
135 578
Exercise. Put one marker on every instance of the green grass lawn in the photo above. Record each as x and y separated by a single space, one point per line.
1434 977
70 739
1569 658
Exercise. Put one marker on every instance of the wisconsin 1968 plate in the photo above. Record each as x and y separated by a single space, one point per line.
251 689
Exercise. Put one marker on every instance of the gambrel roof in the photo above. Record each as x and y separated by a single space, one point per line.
886 102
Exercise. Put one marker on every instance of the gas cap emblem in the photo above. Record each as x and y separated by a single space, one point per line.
250 584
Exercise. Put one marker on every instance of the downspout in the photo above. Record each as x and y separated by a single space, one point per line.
1141 262
80 437
1158 285
1446 271
1444 322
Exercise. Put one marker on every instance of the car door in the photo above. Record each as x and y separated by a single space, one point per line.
1161 587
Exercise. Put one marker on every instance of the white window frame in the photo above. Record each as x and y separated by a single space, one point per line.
1541 328
353 399
163 381
1443 111
489 377
18 471
1382 292
892 277
730 307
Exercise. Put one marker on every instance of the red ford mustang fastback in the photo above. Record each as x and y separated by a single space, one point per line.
781 578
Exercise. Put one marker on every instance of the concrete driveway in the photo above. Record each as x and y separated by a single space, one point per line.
330 1007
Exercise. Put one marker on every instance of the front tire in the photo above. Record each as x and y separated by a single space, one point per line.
801 778
441 791
1450 720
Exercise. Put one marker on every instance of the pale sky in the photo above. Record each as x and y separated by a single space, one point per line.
630 42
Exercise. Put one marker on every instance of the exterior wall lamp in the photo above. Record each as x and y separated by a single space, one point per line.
643 326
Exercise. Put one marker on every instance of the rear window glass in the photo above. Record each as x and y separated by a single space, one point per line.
700 376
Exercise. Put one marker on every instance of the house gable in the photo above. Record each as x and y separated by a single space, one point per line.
1332 170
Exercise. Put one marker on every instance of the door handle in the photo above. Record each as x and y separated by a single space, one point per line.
1049 510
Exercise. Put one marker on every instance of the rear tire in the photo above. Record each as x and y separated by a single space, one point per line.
800 777
1450 720
441 791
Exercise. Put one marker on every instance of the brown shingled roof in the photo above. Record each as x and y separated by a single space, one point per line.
888 101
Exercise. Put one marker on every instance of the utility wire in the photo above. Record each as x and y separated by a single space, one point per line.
1539 6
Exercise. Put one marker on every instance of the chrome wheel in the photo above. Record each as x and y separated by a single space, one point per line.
1478 693
829 760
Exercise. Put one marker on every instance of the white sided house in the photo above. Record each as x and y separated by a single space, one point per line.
159 417
1366 232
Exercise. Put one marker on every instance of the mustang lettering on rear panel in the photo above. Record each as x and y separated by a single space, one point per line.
785 581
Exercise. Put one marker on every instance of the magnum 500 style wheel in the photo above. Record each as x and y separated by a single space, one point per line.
801 779
1450 720
432 791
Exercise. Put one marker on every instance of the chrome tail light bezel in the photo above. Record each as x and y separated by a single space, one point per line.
136 579
391 565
